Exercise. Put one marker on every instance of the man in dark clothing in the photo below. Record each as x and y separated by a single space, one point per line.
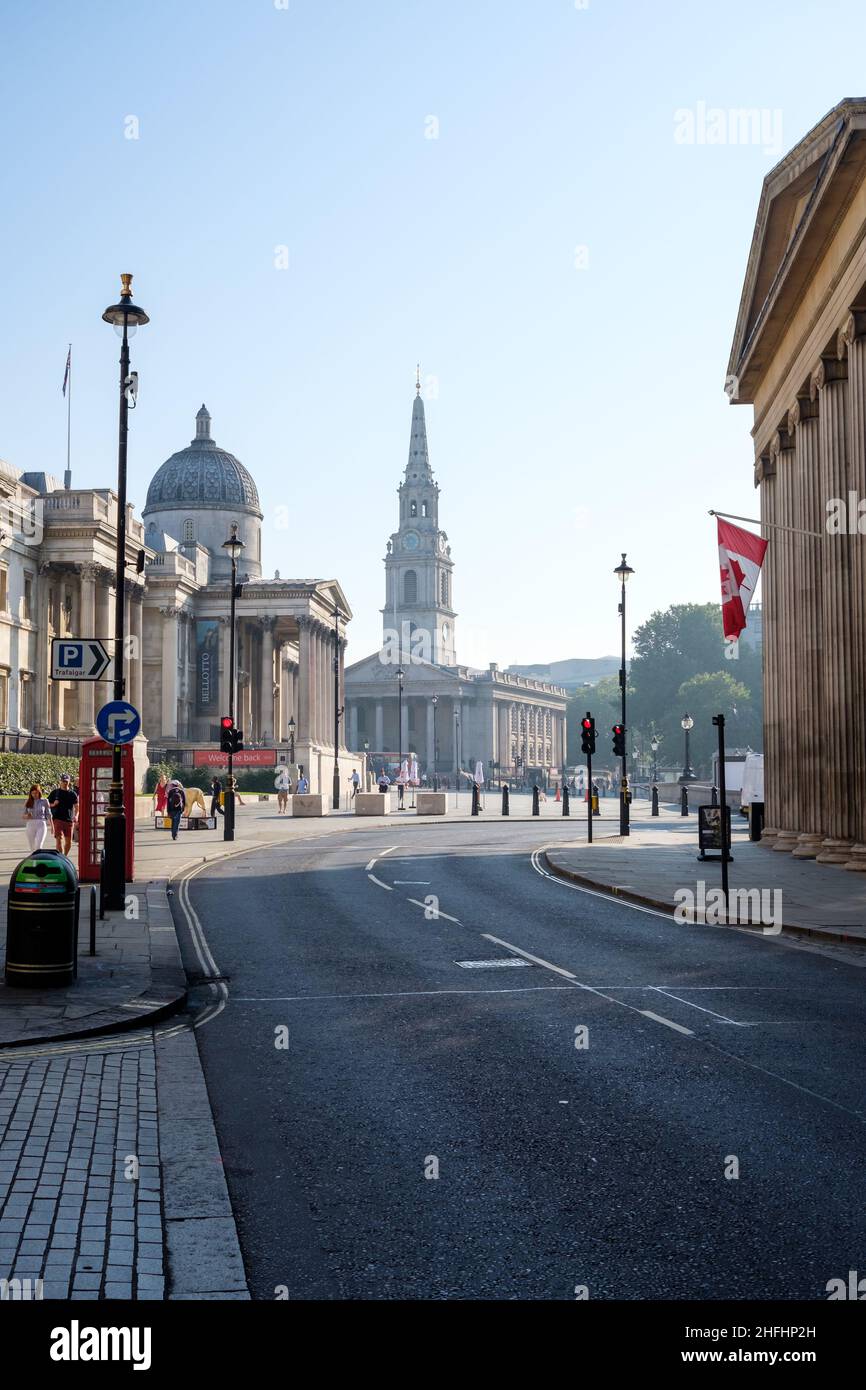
216 787
175 803
63 802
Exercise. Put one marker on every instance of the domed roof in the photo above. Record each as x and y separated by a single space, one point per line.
202 475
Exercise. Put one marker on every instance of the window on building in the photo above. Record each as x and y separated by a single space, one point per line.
410 587
4 698
4 588
28 598
413 508
443 587
25 703
189 530
424 509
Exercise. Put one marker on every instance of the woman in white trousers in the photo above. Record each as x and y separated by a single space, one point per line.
37 818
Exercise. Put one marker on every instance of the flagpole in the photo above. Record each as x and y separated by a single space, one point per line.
67 481
773 525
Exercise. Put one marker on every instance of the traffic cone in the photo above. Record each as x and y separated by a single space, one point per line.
558 797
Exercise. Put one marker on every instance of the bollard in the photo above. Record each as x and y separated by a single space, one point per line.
596 810
535 807
655 807
93 921
475 798
714 797
505 810
684 802
102 885
565 809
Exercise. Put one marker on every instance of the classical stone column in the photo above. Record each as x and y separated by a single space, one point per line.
431 747
788 674
306 684
353 726
268 721
380 728
342 686
169 671
88 575
831 381
41 704
225 664
458 711
851 346
137 659
765 476
809 515
405 725
104 629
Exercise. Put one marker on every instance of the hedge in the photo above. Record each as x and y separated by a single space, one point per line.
18 771
257 779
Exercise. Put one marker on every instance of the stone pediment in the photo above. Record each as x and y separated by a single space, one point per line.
419 674
803 199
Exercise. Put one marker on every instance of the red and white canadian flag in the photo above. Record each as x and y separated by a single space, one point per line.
741 555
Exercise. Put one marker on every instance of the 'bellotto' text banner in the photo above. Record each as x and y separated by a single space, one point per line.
207 636
250 757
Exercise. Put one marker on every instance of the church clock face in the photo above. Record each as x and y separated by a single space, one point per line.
410 540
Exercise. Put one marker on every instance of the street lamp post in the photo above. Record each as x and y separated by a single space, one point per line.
125 317
457 758
400 673
654 745
687 724
435 704
624 572
234 545
338 710
366 764
292 740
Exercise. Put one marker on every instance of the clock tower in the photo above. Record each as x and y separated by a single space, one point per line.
418 615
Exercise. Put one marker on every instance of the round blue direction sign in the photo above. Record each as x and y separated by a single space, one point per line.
118 722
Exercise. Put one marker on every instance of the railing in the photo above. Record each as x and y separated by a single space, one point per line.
11 741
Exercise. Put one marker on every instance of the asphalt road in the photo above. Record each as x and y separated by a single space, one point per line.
708 1052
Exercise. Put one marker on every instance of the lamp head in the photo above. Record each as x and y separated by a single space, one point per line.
623 570
124 313
234 545
687 722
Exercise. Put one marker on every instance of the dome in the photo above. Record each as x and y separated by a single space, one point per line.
202 475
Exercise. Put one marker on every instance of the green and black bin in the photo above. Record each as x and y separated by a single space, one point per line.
42 921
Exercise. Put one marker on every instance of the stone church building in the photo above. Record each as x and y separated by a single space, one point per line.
799 359
449 711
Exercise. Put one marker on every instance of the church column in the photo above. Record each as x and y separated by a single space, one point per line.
282 733
169 672
330 653
305 680
379 744
405 725
342 688
809 515
41 705
787 670
268 723
353 726
852 348
831 382
103 628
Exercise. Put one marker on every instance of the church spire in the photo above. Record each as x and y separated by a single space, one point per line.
418 468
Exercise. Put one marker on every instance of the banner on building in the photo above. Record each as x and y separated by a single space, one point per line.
207 665
248 757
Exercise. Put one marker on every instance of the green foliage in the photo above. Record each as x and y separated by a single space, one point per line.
603 702
18 771
253 779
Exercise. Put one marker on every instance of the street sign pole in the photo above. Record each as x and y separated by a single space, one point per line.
115 818
589 797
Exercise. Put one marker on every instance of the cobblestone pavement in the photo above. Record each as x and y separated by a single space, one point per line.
80 1188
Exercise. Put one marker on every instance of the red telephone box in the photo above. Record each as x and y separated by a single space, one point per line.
94 785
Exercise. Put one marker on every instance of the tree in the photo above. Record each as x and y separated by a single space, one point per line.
712 693
603 702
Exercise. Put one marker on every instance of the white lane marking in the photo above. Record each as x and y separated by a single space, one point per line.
657 989
648 1013
592 892
536 960
394 994
380 884
412 882
373 861
439 912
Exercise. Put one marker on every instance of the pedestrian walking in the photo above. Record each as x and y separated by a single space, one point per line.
283 784
303 785
160 794
356 783
175 803
216 788
37 818
64 808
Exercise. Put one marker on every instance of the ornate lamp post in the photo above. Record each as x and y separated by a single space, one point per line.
623 572
435 704
654 745
687 724
457 757
125 317
292 739
366 764
234 545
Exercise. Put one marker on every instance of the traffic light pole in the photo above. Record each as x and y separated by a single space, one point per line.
589 798
229 808
623 791
719 721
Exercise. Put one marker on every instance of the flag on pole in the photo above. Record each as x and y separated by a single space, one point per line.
68 368
741 555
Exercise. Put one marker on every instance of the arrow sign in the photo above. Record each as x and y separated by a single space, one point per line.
78 659
118 722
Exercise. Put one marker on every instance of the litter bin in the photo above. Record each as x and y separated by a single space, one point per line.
42 921
756 820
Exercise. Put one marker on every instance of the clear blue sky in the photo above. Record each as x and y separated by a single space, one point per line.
580 412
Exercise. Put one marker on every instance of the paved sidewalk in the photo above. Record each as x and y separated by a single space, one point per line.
660 856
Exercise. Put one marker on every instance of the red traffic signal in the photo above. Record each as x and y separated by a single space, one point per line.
227 725
618 732
587 725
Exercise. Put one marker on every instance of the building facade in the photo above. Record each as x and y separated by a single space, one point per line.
57 577
452 715
799 359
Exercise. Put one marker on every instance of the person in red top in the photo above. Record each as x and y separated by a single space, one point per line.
159 796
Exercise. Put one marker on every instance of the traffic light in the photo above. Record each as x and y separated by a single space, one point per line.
237 740
587 725
618 732
227 732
